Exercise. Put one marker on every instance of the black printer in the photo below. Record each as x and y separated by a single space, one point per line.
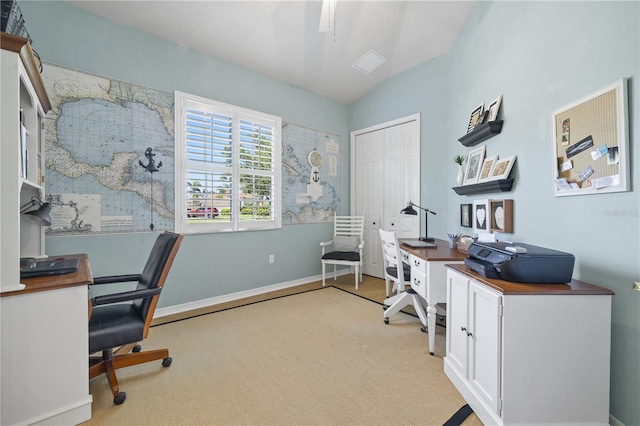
520 262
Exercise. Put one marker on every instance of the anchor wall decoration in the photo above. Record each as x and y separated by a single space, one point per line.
151 168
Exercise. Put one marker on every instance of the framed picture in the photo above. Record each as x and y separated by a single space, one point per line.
474 162
475 115
501 215
502 168
465 215
480 216
591 140
482 119
494 108
487 166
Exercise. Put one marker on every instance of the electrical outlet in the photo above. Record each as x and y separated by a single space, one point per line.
272 258
636 286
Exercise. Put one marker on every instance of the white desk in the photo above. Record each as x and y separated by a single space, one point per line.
45 343
429 277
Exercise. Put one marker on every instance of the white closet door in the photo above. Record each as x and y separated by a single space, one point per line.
369 197
401 178
385 168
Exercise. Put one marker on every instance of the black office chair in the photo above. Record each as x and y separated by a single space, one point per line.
115 328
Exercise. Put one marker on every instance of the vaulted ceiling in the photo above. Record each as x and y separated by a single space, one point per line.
281 39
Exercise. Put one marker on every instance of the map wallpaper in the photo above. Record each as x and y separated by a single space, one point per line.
98 132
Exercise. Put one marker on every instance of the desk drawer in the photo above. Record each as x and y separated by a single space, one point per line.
419 283
418 264
405 256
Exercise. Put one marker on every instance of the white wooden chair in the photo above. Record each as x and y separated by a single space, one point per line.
346 246
392 265
392 258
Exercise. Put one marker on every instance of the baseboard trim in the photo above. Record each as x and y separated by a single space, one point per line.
70 415
205 303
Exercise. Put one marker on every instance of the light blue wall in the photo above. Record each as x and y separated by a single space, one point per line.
206 265
539 56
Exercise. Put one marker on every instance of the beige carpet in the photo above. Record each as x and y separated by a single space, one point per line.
323 357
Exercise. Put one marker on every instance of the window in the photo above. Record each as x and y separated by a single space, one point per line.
228 167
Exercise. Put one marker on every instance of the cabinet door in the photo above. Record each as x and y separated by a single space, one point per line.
485 359
457 339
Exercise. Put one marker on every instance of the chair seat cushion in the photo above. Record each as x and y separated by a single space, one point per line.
350 256
393 271
111 326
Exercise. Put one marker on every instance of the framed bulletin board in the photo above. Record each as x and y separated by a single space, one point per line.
590 139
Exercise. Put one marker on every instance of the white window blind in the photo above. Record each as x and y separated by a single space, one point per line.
230 161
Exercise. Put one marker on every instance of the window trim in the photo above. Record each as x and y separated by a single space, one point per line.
184 101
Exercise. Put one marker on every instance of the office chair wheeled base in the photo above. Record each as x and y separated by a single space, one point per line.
395 303
122 357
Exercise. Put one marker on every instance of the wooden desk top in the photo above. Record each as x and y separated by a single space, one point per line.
439 253
82 276
574 287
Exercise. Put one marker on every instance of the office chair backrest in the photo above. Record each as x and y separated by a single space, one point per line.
155 273
392 256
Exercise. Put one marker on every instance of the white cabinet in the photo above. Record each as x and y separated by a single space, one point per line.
529 353
24 104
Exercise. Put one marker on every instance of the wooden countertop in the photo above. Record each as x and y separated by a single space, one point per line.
574 287
439 253
82 276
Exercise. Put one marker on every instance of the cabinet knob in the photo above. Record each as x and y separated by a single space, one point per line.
374 223
469 334
463 329
393 224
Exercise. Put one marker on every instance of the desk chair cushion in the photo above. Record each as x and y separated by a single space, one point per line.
350 256
114 325
393 271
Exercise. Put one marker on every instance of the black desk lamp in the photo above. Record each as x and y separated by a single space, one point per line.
410 210
41 215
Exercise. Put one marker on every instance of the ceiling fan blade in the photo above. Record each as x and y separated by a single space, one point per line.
327 15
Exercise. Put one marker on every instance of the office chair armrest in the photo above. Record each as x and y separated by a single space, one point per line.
108 299
116 279
325 243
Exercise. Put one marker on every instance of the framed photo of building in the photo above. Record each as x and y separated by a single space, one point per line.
501 215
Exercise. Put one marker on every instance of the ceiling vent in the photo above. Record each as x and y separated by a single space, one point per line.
369 62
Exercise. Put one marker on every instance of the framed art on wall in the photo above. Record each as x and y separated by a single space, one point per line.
502 168
474 162
480 216
591 139
475 115
487 166
465 215
494 108
501 215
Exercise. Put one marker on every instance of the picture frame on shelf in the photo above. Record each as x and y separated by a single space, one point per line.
481 216
591 142
465 215
474 163
494 109
501 215
502 168
487 166
482 119
475 115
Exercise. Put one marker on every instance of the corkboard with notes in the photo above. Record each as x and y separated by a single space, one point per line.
590 143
